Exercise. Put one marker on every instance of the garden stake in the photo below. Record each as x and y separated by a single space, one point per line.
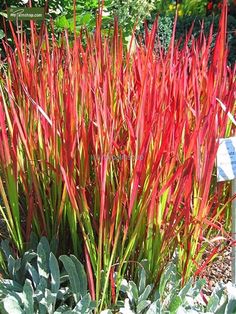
234 233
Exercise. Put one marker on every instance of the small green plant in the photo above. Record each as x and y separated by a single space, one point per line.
36 284
170 297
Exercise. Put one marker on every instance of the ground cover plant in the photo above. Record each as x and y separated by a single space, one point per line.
113 151
40 283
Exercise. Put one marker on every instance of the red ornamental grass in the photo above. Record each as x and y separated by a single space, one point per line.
114 152
210 5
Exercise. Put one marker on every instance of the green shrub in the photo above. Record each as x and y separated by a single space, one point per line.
184 25
165 27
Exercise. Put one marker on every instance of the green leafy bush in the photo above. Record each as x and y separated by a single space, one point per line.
184 25
165 28
35 283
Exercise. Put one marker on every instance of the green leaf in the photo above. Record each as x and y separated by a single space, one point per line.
27 259
28 297
11 305
55 273
41 287
142 280
84 305
54 245
213 303
132 292
85 18
10 285
46 246
49 300
165 278
145 293
11 266
198 287
2 34
143 305
4 14
82 275
62 309
124 287
73 276
42 261
33 243
62 22
183 292
231 307
175 303
43 308
154 308
63 294
33 273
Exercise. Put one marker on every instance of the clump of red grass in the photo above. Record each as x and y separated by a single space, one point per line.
114 151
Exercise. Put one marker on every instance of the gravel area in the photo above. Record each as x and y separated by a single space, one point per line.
218 270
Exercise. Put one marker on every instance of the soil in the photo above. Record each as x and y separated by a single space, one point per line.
218 271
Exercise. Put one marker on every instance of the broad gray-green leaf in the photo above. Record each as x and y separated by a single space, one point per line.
143 305
82 275
165 277
28 297
43 308
33 243
154 308
73 276
62 309
142 280
145 293
11 305
185 289
213 303
198 287
11 266
54 245
124 286
46 246
132 293
11 285
63 293
33 273
181 310
222 308
42 261
49 301
231 307
55 273
41 287
83 306
28 257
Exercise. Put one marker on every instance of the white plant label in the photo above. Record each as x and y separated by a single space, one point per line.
226 159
